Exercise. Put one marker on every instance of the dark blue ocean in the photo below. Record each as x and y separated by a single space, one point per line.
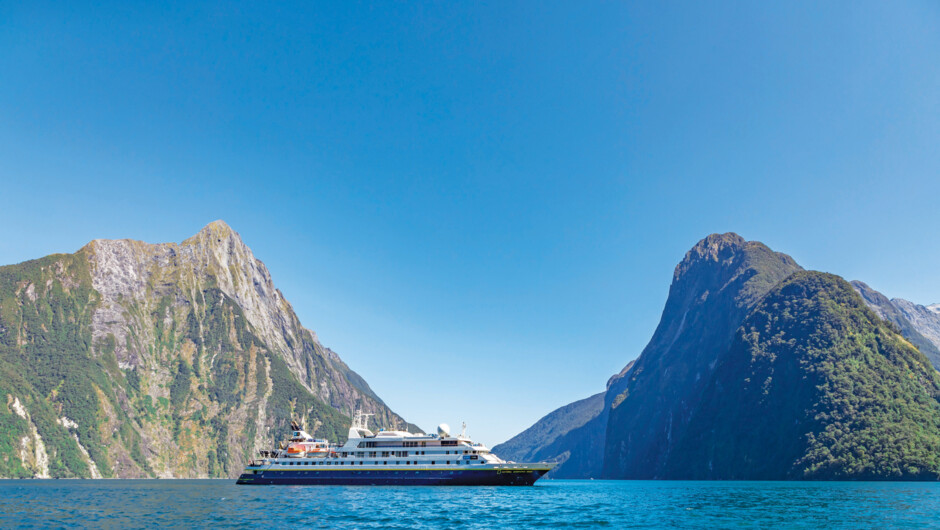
550 503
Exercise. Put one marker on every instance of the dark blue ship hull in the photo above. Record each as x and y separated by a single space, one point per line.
444 477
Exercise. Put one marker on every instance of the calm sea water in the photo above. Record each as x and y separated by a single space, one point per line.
550 503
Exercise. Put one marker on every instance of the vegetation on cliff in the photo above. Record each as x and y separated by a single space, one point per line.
815 386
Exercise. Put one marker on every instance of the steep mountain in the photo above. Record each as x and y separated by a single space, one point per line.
760 370
573 436
917 323
720 280
128 359
815 386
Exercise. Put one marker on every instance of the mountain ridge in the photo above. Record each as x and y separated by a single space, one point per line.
917 323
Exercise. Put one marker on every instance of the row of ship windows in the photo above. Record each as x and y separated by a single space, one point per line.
444 443
373 454
259 472
362 463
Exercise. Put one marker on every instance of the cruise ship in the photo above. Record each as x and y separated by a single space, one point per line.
387 457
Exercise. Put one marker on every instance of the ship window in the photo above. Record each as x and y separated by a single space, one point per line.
432 462
385 463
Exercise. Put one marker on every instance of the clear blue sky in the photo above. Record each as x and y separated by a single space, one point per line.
479 206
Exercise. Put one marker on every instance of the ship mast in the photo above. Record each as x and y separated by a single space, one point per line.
361 419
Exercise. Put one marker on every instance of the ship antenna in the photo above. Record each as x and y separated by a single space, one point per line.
463 432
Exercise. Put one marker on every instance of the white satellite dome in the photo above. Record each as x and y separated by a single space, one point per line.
443 430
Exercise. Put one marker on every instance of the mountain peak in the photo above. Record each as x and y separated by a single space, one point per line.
719 240
730 251
715 247
217 227
214 233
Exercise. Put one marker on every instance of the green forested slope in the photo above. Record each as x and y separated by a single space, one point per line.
815 386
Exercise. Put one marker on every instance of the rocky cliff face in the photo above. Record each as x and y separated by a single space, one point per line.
714 287
175 360
919 324
924 319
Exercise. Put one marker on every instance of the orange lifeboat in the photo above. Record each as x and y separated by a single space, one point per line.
317 449
296 450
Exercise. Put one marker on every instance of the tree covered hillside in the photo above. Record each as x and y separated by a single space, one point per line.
815 386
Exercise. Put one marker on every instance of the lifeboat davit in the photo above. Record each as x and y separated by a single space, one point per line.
296 450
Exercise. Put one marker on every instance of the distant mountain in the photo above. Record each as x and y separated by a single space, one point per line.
924 319
814 386
573 436
530 445
917 323
129 359
720 280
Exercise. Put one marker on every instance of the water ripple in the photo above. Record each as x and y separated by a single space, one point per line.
549 504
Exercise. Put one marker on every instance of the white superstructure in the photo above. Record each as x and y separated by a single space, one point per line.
385 448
